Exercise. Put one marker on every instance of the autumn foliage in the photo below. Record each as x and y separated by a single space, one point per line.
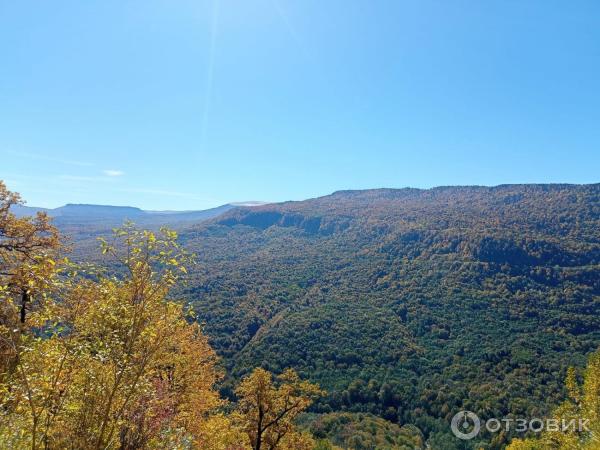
267 409
107 360
28 251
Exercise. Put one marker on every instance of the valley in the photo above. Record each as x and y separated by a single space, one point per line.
407 305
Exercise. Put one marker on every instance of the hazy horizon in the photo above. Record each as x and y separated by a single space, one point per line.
261 202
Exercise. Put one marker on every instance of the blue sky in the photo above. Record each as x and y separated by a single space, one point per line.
189 104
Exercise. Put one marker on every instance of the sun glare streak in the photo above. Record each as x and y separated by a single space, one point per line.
288 24
210 69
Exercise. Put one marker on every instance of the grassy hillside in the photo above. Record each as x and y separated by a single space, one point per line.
409 304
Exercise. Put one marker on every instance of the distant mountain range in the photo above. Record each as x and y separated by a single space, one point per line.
71 215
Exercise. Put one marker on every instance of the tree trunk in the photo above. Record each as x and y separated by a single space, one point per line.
25 298
259 430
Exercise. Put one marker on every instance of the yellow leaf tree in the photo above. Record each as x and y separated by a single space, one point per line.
114 364
104 359
267 408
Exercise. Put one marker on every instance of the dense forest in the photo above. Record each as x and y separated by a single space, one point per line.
404 306
409 304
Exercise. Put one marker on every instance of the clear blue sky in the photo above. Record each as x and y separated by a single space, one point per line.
189 104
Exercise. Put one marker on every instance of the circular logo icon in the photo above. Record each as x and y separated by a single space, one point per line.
464 421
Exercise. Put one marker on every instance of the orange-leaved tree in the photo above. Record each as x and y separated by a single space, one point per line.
29 248
267 408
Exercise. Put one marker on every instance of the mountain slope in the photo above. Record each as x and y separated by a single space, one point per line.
409 304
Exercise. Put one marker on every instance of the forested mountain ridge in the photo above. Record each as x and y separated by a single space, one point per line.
409 304
404 303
